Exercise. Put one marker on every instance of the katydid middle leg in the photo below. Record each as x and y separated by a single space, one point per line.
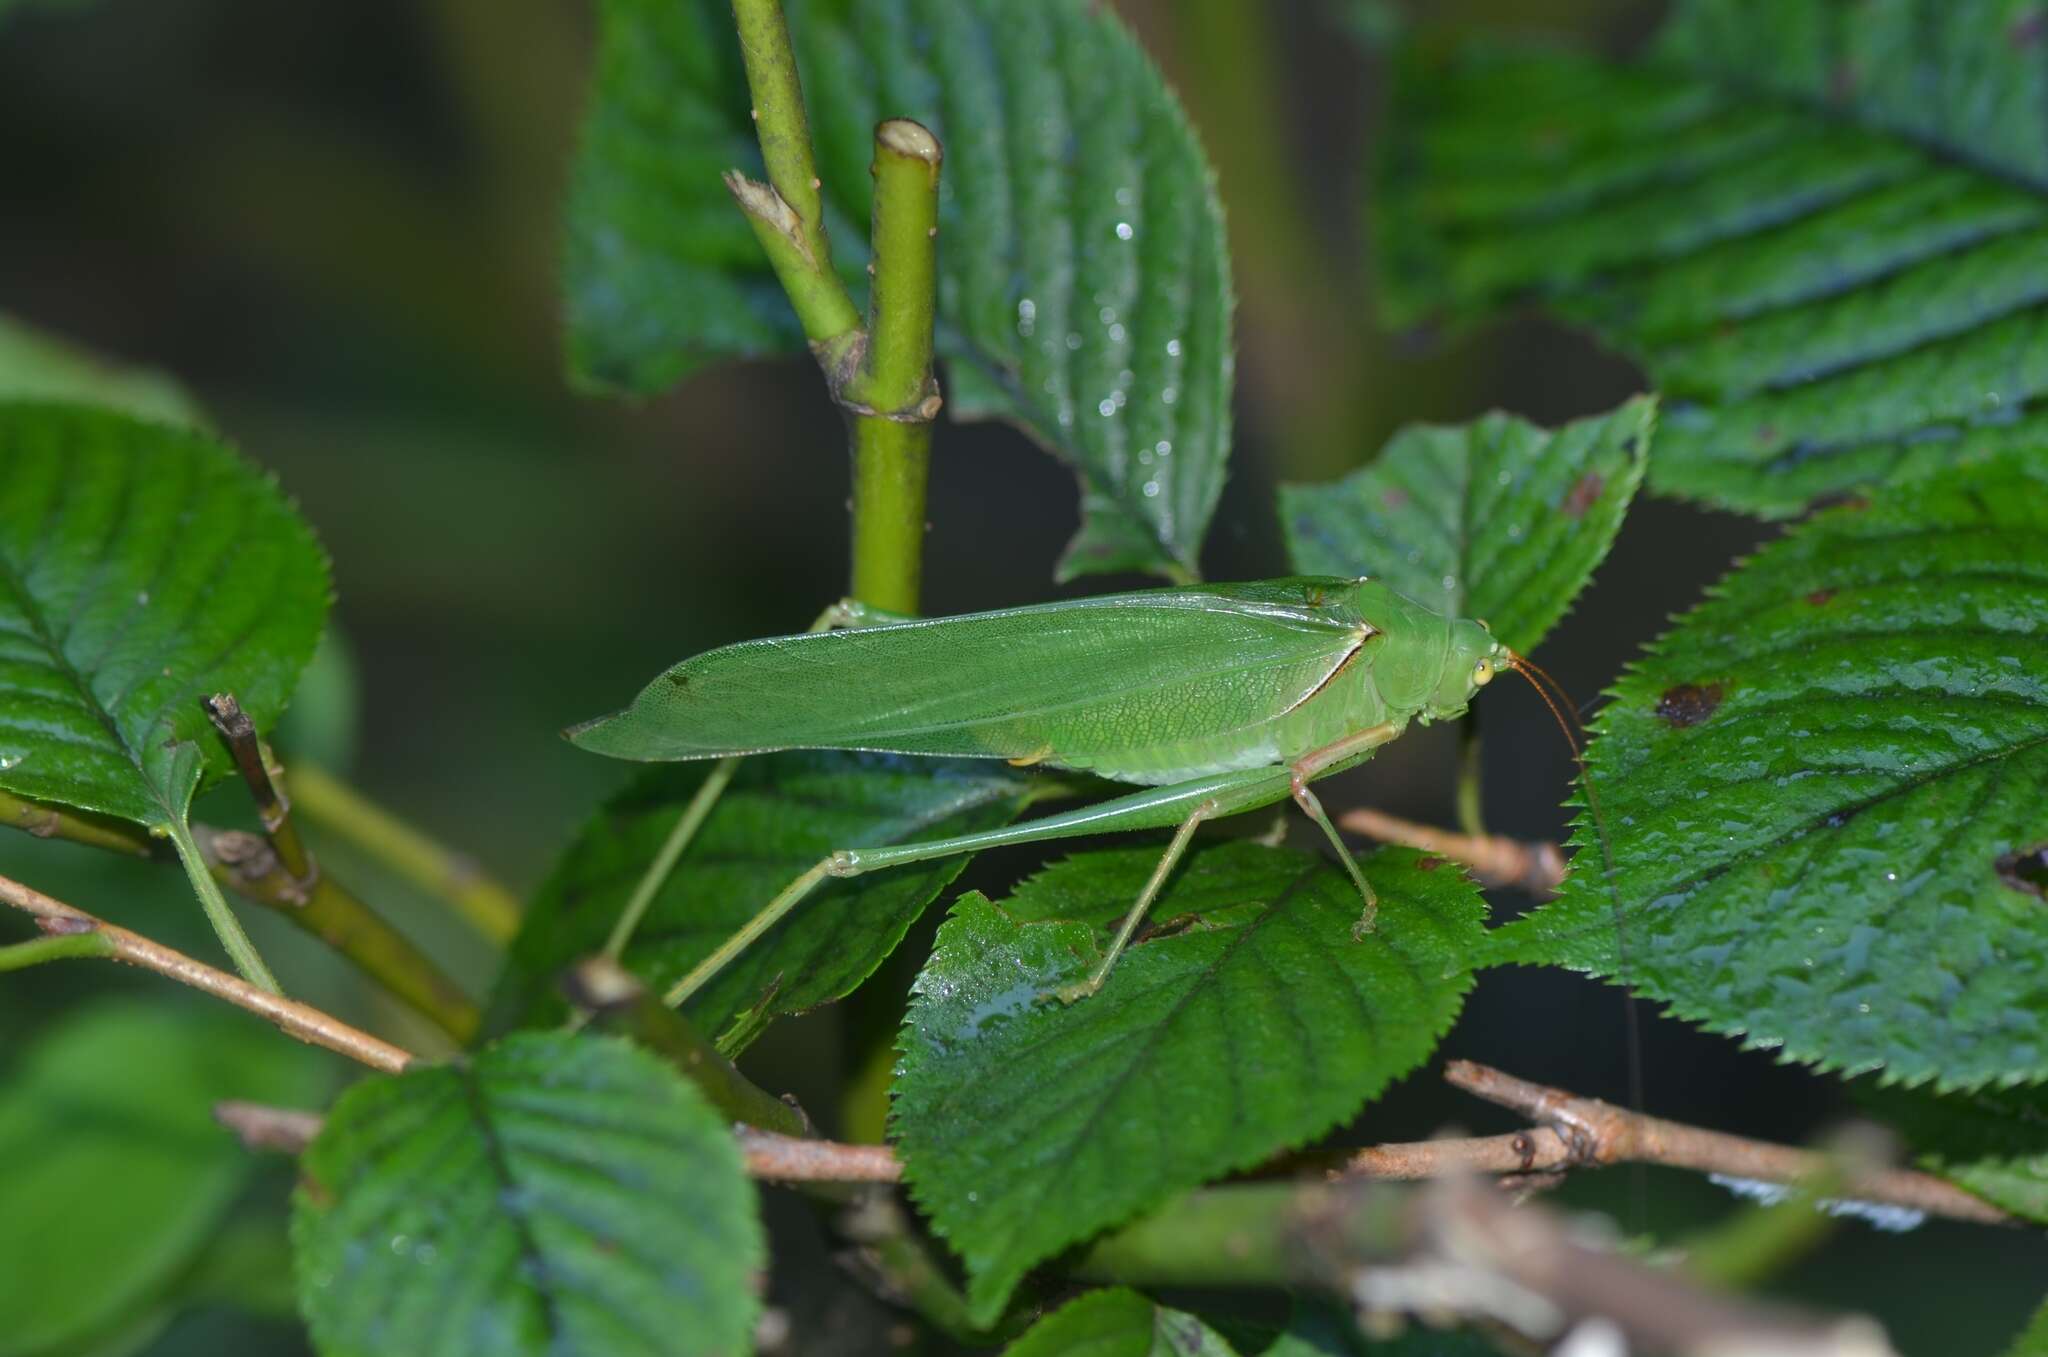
1175 850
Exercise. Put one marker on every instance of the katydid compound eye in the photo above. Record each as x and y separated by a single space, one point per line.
1482 673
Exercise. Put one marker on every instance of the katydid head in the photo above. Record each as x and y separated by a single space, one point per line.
1471 659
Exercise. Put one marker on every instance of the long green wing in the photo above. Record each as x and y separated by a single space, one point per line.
1071 682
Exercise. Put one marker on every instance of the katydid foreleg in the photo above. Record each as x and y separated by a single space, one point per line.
1152 808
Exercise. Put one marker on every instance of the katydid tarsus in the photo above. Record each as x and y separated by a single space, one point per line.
1215 699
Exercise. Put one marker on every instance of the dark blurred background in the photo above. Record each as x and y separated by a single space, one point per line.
336 221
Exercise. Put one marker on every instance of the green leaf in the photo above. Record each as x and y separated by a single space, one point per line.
1993 1141
38 366
1085 280
782 813
1118 1322
141 568
1821 787
559 1195
2034 1342
1496 519
1826 290
114 1173
1249 1021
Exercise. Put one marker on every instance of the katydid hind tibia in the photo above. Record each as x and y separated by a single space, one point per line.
1215 699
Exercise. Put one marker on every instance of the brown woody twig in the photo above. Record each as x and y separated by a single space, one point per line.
288 1016
253 761
1581 1132
1496 862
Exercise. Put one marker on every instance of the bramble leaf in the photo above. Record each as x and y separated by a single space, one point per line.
559 1195
115 1175
1028 1126
38 366
141 568
1118 1322
2034 1342
1823 788
1496 519
1827 290
782 813
1085 280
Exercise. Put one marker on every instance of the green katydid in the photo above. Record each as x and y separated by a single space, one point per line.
1217 699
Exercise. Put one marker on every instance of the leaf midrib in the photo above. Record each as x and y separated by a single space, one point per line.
1691 884
530 1253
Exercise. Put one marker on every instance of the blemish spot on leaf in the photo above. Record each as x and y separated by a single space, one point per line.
2026 870
1428 864
1394 498
1584 494
1688 704
1819 598
2027 28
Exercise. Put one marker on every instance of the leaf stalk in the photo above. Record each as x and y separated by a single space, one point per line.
248 866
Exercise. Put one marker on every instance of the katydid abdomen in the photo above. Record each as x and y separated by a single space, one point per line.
1218 699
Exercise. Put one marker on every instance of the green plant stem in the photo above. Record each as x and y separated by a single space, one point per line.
1471 799
686 826
240 950
896 369
893 396
446 875
890 465
780 122
249 866
57 947
1247 1236
245 864
620 1003
76 826
908 1271
788 212
1303 341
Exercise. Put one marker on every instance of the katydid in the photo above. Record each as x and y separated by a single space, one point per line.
1216 699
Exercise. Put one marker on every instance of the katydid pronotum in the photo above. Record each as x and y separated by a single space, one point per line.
1216 699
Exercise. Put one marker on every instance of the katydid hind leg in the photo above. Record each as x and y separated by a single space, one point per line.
1152 808
1175 850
